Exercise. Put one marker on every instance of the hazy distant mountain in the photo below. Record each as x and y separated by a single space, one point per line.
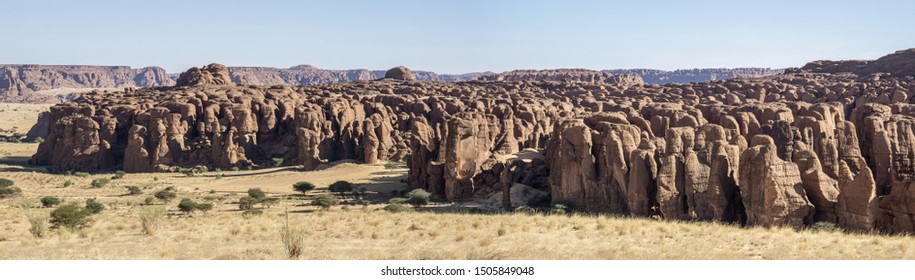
652 76
53 83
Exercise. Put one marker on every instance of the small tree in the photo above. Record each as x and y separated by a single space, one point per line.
246 203
134 190
325 201
50 201
165 195
257 193
418 197
187 205
303 187
93 206
70 216
100 182
341 187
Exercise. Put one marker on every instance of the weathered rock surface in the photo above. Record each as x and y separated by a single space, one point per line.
791 149
56 83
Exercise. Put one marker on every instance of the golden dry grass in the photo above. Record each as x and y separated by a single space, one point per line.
20 117
356 232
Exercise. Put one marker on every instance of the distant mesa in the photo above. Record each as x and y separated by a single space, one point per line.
213 74
400 73
566 75
898 64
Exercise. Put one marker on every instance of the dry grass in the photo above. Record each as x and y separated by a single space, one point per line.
372 233
20 117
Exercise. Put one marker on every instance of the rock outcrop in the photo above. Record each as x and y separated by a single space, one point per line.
400 73
56 83
787 150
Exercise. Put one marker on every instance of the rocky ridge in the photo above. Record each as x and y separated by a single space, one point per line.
26 83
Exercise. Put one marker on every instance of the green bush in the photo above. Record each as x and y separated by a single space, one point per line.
204 207
397 208
257 193
269 201
218 176
71 216
68 183
6 183
150 200
187 205
391 165
100 182
277 162
824 226
234 168
119 174
9 192
341 187
93 206
246 203
303 187
202 169
81 174
165 195
418 197
50 201
187 172
397 200
134 190
325 201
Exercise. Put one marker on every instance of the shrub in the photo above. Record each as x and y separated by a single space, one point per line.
293 240
204 207
246 203
252 212
824 226
50 201
277 162
202 169
187 205
100 182
68 183
560 208
71 216
81 174
418 197
93 206
325 201
134 190
151 217
166 195
150 200
186 171
269 201
38 140
9 191
526 209
391 165
397 208
341 187
119 174
6 183
397 200
235 168
38 222
218 176
257 193
303 187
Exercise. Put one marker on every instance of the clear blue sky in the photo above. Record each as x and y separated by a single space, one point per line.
452 36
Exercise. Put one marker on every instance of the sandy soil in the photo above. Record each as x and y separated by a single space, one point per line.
20 117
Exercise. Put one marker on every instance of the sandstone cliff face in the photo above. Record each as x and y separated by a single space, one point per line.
787 150
565 75
900 64
32 83
652 76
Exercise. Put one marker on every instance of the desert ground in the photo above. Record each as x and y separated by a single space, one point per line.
19 116
368 232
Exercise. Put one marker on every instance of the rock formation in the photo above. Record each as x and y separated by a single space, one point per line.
787 150
55 83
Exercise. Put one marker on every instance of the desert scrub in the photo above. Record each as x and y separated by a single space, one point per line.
277 162
293 238
50 201
100 182
418 197
151 218
397 208
257 193
7 189
246 203
187 206
71 216
93 206
303 187
165 195
341 187
134 190
119 174
4 183
39 222
252 213
81 174
325 201
68 183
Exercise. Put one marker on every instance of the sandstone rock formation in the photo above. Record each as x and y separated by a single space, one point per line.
213 74
37 83
786 150
400 73
653 76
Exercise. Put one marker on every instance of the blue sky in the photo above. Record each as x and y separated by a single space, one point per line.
452 36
